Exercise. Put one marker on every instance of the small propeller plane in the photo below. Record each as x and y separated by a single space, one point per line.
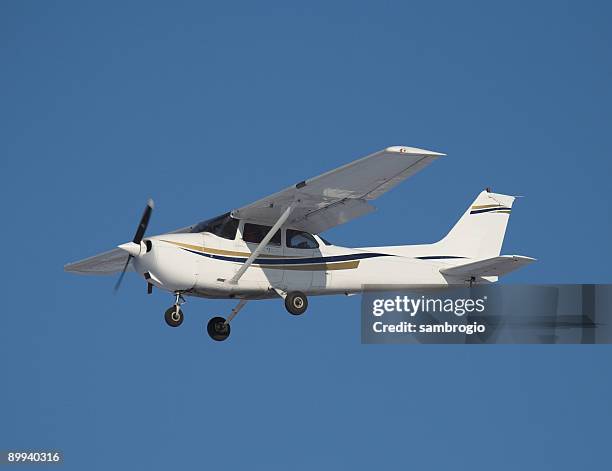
272 248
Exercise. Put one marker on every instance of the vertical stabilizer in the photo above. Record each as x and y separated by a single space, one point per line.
480 231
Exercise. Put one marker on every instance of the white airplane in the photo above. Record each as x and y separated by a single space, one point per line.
272 248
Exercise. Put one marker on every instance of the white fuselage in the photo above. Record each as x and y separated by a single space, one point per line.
201 264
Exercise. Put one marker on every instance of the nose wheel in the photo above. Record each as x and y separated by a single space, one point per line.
174 315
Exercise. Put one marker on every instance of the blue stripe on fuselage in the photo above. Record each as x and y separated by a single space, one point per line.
293 261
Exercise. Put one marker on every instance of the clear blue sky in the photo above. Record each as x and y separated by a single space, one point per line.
205 107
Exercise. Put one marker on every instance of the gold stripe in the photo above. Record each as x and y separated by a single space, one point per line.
313 267
507 211
219 251
482 206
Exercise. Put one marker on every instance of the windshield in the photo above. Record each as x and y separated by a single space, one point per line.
223 226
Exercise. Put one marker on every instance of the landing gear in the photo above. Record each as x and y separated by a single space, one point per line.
218 329
296 303
174 315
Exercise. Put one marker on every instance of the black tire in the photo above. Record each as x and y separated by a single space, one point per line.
296 303
171 317
218 329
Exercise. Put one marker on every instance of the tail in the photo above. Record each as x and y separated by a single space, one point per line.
479 234
471 250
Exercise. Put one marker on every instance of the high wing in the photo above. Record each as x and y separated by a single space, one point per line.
339 195
496 266
105 263
313 205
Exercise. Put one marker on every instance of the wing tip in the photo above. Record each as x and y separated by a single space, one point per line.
523 258
412 150
517 258
74 268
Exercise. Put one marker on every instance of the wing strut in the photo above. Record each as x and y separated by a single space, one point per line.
263 243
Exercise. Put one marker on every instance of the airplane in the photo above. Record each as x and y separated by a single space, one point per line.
272 248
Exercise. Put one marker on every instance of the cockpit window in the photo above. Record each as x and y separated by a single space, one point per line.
223 226
300 240
256 233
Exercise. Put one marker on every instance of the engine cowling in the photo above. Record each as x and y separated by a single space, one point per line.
168 266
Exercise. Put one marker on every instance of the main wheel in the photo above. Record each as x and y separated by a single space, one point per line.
296 302
218 329
174 317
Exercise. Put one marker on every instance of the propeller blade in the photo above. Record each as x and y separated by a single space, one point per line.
118 284
140 232
144 222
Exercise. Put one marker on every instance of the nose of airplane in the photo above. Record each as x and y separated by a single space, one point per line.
131 247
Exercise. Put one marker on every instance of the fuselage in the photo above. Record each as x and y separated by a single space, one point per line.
202 263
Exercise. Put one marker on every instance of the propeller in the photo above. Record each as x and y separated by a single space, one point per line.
133 248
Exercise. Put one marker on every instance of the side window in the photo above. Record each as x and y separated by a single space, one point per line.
300 240
255 233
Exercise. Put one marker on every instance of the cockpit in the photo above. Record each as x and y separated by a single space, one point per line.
222 226
226 226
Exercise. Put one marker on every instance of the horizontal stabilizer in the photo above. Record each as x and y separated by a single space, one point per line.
105 263
496 266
